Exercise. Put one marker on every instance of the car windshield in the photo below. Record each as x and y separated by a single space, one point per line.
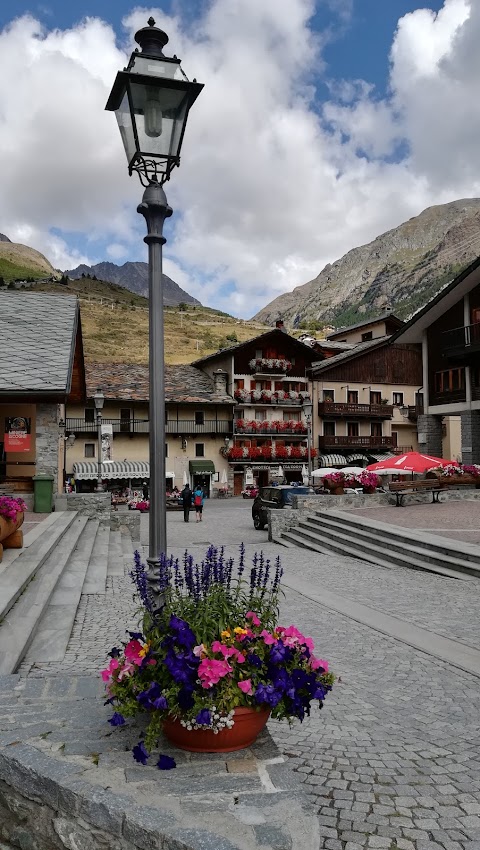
294 491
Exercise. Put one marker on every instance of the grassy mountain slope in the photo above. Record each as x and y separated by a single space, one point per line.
115 325
21 262
401 269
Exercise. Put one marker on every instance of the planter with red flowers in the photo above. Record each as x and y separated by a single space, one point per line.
11 518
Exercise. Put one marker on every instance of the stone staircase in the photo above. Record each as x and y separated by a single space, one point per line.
65 556
380 543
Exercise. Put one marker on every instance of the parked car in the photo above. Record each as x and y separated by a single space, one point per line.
275 497
251 490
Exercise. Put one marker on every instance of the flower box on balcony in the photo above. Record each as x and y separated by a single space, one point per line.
270 365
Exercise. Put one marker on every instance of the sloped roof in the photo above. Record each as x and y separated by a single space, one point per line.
382 318
129 382
356 351
254 340
37 342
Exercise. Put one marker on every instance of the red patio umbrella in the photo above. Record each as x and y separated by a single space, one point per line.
409 462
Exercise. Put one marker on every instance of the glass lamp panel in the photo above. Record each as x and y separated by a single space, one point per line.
159 117
157 68
124 120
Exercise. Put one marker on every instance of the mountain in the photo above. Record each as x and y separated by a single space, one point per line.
18 262
401 269
134 277
4 238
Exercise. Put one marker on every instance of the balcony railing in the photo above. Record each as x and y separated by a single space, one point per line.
141 426
271 398
357 442
333 408
460 341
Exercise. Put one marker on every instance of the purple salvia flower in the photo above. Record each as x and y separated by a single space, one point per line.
139 578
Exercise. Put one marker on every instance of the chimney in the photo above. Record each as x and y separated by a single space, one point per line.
220 382
280 326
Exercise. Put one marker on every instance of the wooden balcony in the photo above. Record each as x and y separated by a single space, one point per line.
335 410
357 443
459 343
182 427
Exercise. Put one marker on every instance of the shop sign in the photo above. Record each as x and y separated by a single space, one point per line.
249 475
17 434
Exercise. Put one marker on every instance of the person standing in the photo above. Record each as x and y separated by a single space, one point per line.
145 491
198 500
187 501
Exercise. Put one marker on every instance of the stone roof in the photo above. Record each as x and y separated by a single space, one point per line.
129 382
356 351
37 342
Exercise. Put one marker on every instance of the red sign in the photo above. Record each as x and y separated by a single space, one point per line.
17 434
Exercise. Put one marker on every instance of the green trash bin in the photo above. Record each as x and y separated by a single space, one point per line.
42 493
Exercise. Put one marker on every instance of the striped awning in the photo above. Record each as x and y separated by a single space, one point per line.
358 456
332 460
380 456
88 470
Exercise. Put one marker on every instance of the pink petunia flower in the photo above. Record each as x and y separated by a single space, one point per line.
200 650
108 672
126 670
210 671
267 637
253 617
133 652
315 663
246 686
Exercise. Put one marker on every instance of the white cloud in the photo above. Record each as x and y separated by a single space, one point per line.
271 186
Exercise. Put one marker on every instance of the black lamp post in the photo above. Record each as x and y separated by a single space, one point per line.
152 98
308 410
99 400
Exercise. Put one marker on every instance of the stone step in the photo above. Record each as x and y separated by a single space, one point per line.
115 554
29 560
18 628
55 627
29 537
399 546
312 537
423 539
96 577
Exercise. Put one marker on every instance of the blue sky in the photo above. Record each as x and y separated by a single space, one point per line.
312 136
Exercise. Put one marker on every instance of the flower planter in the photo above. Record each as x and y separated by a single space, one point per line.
11 537
369 490
248 724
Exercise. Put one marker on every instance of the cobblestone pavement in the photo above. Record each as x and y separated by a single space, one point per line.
393 760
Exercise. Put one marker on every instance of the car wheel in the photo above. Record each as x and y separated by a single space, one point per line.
257 522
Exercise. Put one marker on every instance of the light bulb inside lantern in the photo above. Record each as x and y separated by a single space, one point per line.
153 117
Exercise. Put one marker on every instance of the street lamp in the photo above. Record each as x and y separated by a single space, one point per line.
152 98
68 442
307 412
99 401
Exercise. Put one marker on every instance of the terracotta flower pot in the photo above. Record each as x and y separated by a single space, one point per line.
248 724
369 489
10 535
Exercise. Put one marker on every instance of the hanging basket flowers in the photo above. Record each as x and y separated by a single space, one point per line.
214 650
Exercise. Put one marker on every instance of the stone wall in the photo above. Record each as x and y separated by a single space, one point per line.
429 429
47 441
126 521
93 505
470 426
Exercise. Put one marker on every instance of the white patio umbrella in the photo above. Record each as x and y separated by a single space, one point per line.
185 477
304 474
280 472
321 473
224 478
352 470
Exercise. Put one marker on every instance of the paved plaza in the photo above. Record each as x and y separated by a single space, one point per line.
393 759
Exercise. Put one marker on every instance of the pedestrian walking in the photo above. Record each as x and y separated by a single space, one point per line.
198 500
145 491
187 501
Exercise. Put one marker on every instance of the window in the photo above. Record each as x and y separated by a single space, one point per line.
239 384
352 429
199 449
292 416
449 380
199 417
125 419
376 429
329 395
89 414
375 398
260 415
166 449
397 398
329 429
352 396
367 335
292 361
258 354
89 450
253 385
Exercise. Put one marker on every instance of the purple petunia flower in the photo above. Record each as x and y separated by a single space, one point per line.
117 719
114 652
160 703
278 652
203 718
140 753
166 763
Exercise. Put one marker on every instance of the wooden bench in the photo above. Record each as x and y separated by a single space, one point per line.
403 488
